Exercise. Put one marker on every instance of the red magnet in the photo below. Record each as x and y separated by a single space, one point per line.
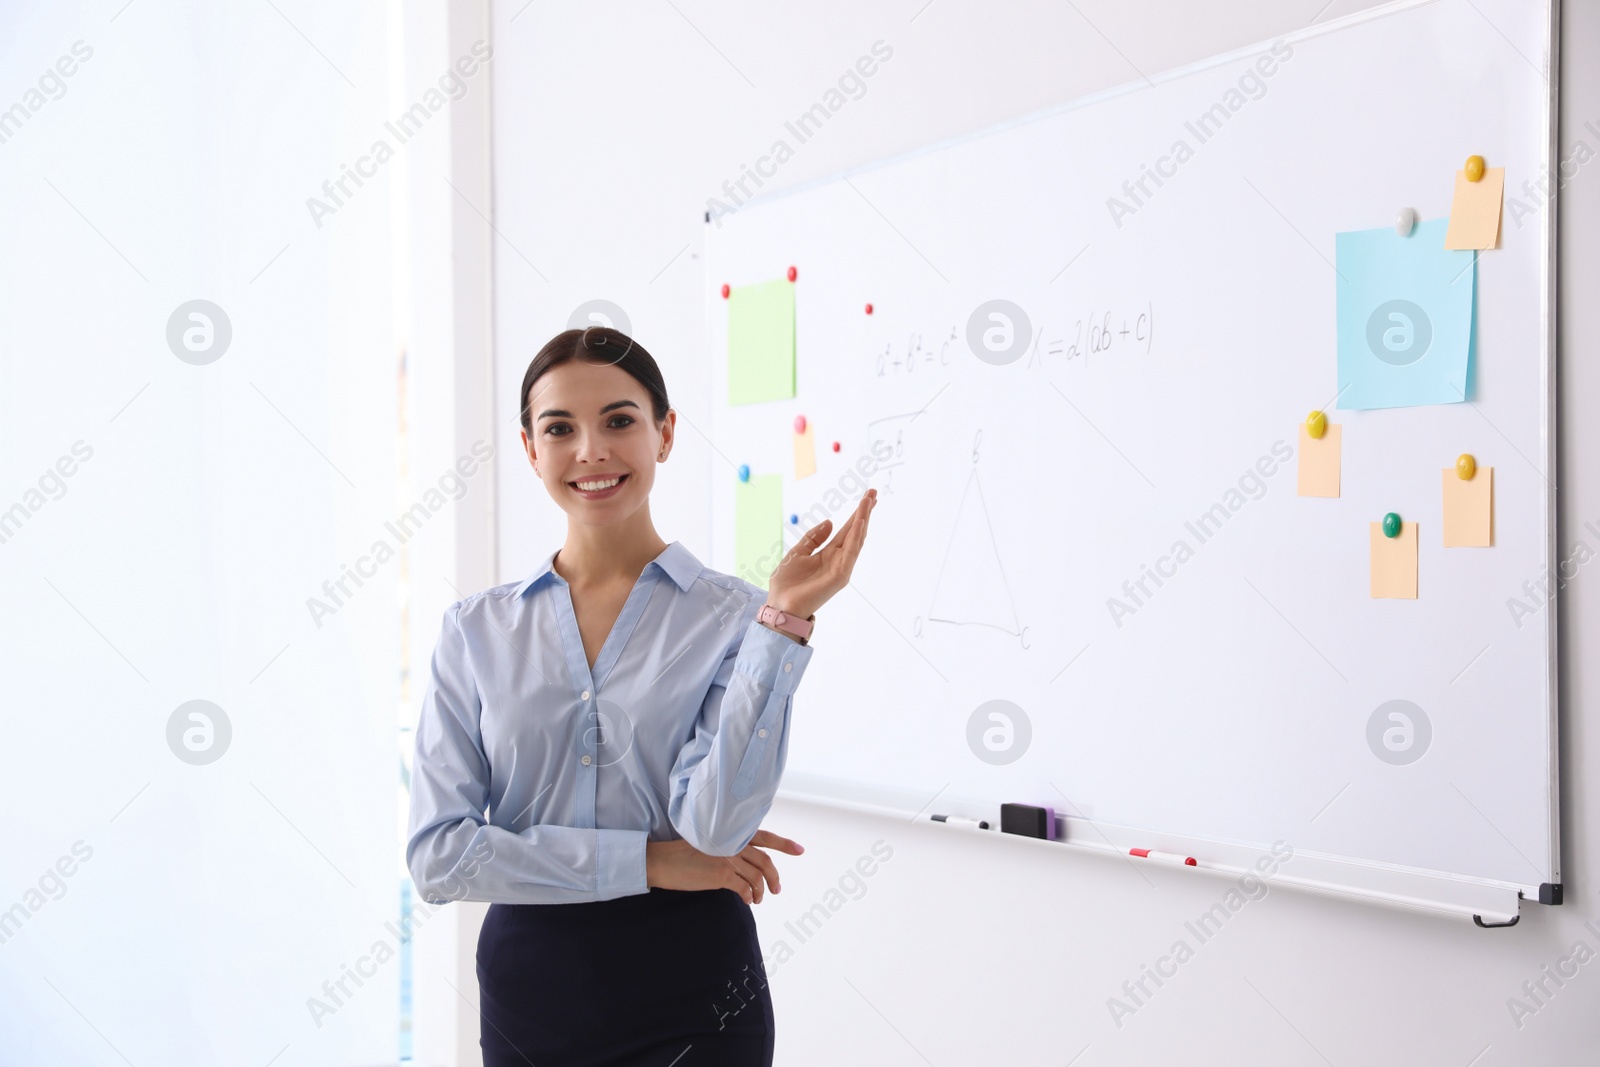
725 290
869 309
836 446
793 274
799 424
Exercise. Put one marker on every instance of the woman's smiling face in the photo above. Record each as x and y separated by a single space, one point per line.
595 441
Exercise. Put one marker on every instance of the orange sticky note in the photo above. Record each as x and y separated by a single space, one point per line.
1469 509
1319 462
1394 562
805 453
1475 210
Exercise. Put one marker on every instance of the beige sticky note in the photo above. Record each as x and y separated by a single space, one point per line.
1469 509
1475 210
1394 562
1319 462
805 453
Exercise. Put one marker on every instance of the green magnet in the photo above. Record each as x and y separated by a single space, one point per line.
1391 524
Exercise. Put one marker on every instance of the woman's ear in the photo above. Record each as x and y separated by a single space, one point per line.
533 458
668 432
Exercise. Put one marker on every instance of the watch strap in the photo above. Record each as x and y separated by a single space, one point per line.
789 624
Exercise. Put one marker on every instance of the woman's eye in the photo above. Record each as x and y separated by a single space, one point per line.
561 429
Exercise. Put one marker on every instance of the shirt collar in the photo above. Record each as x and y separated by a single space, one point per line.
676 561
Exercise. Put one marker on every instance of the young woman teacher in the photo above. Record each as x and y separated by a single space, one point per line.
622 715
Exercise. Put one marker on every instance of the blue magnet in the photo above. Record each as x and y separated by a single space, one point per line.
744 472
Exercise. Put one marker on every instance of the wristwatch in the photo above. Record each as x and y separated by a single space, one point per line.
789 624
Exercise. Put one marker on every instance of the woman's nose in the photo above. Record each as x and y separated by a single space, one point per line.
591 447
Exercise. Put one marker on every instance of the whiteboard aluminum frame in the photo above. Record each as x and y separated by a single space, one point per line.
1550 281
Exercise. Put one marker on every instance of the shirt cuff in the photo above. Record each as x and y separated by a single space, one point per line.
774 659
619 863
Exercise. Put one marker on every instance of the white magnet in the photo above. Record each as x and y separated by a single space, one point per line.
1405 222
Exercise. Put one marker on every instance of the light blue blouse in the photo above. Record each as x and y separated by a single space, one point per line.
680 730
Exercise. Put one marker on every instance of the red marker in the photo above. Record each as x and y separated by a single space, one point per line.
1165 857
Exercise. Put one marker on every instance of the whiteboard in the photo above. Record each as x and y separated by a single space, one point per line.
1171 354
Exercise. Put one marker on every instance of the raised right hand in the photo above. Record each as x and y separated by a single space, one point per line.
679 865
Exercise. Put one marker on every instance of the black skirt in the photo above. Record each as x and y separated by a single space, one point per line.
667 978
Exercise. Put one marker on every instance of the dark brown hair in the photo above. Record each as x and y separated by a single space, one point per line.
600 345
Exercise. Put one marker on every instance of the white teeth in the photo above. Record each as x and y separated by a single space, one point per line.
595 487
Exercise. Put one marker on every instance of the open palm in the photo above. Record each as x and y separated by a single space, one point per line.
806 578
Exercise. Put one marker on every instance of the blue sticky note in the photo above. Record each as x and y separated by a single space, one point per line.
1404 317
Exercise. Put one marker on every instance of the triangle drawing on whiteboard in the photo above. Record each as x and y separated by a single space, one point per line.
972 588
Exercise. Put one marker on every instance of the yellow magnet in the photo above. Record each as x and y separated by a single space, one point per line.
1466 467
1316 424
1474 168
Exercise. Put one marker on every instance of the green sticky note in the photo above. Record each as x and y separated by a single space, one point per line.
758 527
761 342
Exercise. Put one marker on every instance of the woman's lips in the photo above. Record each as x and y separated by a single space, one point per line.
602 494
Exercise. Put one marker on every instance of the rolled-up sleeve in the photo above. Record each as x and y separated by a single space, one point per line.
725 778
453 853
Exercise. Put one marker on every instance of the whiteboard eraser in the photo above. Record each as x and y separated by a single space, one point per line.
1028 821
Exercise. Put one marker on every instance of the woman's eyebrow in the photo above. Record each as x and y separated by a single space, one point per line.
609 407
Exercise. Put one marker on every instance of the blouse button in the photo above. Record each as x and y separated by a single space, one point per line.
761 733
585 694
585 761
787 667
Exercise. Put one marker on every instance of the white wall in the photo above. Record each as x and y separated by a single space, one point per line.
613 124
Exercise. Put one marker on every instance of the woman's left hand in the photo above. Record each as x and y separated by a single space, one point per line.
805 581
756 867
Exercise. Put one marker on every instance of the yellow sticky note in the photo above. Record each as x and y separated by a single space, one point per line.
1394 562
805 453
761 340
1469 509
758 527
1475 210
1319 462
